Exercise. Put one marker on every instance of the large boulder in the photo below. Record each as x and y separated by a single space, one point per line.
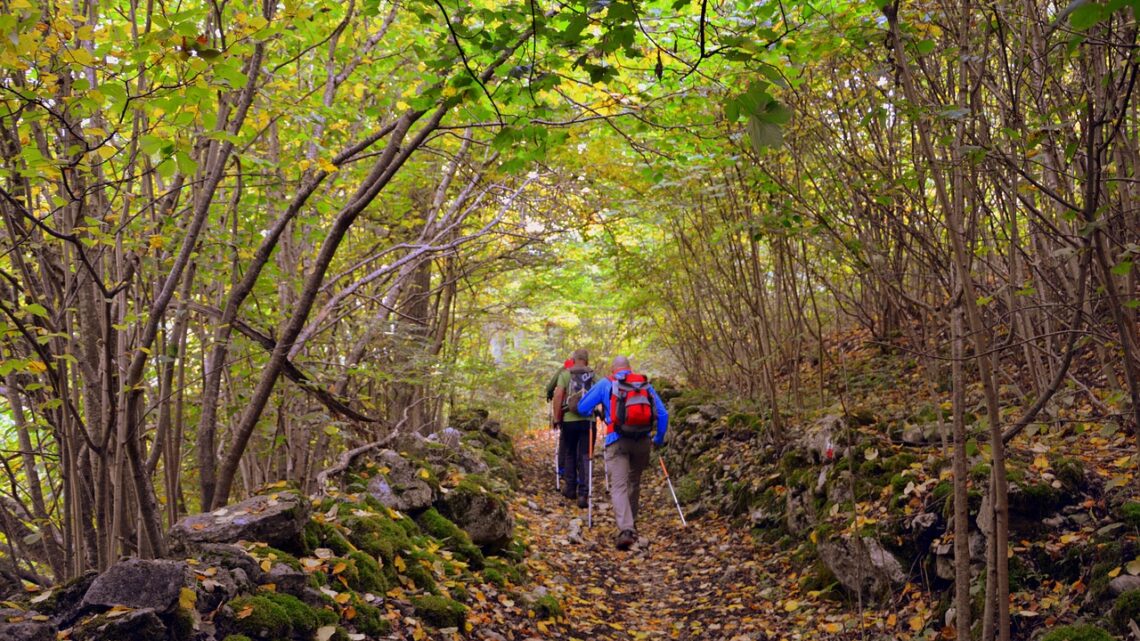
444 449
821 442
476 420
276 519
799 511
139 584
130 625
16 625
861 565
401 485
483 515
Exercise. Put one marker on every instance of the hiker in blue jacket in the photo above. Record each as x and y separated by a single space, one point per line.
633 413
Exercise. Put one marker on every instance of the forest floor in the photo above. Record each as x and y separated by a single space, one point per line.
708 580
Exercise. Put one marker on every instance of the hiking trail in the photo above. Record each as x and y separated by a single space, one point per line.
707 580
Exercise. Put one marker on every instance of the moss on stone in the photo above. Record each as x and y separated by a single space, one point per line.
1125 608
439 611
1037 499
369 577
451 535
326 535
504 568
260 618
1077 633
277 556
378 535
547 607
494 577
416 569
302 618
370 620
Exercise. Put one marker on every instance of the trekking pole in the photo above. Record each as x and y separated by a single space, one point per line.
661 459
605 467
550 422
590 482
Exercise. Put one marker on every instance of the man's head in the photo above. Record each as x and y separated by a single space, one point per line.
581 357
620 363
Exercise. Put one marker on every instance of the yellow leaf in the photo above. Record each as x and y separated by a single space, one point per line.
327 165
1115 572
399 563
1041 462
187 598
340 567
892 620
916 622
791 605
266 565
244 612
424 474
1123 461
1133 566
832 628
342 598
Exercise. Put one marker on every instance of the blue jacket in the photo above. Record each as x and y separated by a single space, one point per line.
600 394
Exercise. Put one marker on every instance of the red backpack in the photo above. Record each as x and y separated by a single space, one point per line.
631 405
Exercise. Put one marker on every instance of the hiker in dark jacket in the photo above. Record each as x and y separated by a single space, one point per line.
554 379
577 429
641 418
560 455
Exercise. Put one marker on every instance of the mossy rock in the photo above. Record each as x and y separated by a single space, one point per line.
1130 513
547 607
452 537
504 567
1125 609
369 576
265 619
302 618
378 535
274 555
494 577
1077 633
440 611
416 569
370 620
326 535
1036 500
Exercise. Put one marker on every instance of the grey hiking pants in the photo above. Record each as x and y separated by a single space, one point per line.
626 459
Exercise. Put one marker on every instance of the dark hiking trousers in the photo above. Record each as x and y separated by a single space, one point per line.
575 446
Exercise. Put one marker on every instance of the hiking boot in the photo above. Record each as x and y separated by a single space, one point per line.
583 502
626 539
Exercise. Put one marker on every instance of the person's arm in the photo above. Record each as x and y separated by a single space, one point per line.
594 397
556 407
662 417
551 385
